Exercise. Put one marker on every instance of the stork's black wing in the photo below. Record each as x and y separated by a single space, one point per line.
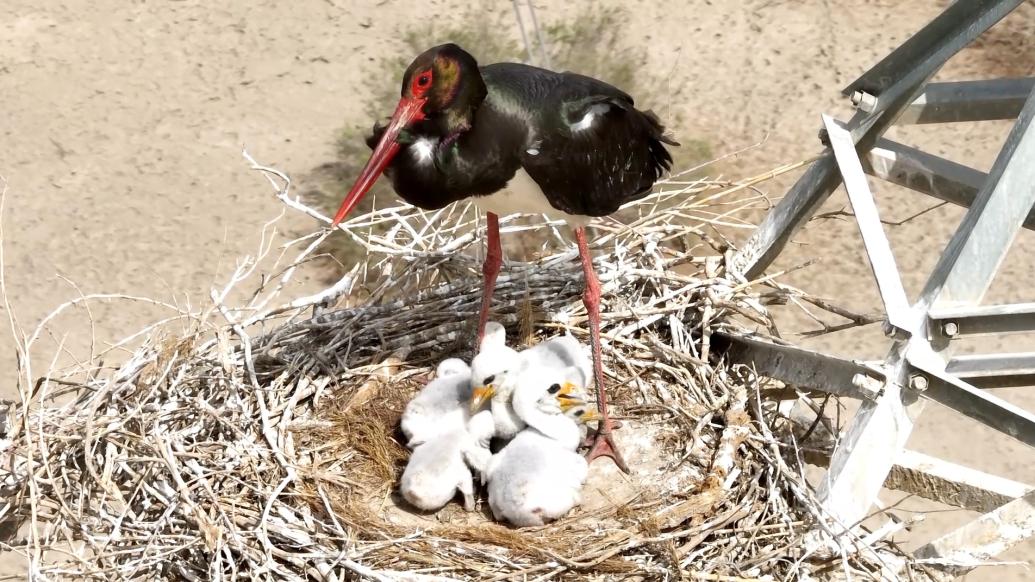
591 150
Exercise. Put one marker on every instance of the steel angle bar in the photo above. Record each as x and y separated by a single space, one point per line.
864 456
878 250
862 460
981 540
809 192
801 367
938 480
973 255
984 319
926 51
802 200
897 79
822 177
951 484
926 173
968 101
1005 381
994 370
974 403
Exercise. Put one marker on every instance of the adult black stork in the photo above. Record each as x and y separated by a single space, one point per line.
516 138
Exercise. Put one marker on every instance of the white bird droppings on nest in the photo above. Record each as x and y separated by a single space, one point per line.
261 442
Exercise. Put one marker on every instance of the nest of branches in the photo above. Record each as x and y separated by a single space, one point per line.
259 440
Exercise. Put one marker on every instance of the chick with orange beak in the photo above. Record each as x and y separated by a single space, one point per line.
538 476
494 373
498 371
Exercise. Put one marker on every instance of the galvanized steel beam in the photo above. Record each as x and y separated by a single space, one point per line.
894 82
994 370
867 217
981 540
802 368
926 51
977 320
958 101
970 260
977 404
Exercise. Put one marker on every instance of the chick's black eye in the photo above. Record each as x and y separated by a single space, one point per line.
423 80
579 412
555 389
489 379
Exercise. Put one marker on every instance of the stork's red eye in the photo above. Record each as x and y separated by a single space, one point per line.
422 83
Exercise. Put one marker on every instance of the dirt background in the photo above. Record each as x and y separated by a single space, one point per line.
122 125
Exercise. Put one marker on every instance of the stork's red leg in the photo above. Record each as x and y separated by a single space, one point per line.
490 269
603 442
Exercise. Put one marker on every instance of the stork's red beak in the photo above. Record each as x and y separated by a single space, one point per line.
410 109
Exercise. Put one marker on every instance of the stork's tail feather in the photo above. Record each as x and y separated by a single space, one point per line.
660 157
659 129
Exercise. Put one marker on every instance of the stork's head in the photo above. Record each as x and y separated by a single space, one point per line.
440 91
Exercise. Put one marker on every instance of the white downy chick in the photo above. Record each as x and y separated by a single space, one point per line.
537 478
437 470
493 374
557 399
441 406
560 352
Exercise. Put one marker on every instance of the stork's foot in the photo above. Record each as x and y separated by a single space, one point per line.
591 435
603 445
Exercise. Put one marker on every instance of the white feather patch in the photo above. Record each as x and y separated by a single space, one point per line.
591 115
424 150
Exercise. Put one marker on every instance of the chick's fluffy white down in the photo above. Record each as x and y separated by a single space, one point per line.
535 480
441 406
436 469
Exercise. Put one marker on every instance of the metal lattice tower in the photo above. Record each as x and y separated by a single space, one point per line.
918 366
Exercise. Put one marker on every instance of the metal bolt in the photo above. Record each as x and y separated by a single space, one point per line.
893 332
870 386
864 101
951 329
918 382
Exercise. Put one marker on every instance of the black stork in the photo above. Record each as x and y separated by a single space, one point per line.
516 138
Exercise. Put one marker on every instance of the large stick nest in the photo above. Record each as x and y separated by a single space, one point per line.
259 441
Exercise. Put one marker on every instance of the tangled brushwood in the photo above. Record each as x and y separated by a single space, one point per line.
259 440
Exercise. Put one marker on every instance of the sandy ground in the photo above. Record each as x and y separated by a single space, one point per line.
121 127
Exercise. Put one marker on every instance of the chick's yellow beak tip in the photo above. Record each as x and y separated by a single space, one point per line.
480 395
